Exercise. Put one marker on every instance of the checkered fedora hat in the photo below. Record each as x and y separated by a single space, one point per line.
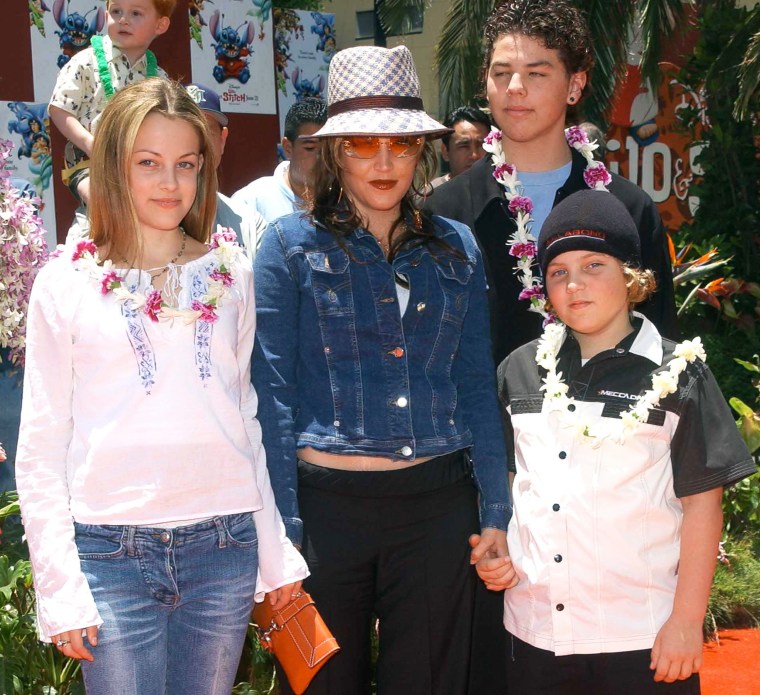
375 91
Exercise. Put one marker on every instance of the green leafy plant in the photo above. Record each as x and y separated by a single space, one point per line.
27 666
735 596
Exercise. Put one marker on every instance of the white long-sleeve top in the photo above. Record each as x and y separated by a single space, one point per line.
135 422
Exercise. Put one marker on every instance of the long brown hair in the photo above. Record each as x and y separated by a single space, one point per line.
113 219
334 209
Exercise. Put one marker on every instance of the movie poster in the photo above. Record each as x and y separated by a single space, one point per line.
304 44
60 29
30 163
231 51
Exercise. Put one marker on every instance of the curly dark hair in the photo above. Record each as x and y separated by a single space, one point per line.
336 211
557 24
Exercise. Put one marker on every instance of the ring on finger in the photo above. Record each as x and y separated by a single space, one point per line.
62 642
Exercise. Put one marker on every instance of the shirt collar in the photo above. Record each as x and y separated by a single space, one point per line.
113 52
645 341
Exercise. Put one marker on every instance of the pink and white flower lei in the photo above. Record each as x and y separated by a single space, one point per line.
523 242
595 432
220 281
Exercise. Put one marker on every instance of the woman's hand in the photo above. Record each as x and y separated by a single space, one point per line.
71 643
279 598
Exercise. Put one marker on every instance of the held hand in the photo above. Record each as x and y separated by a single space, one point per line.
279 598
71 643
491 542
492 561
677 650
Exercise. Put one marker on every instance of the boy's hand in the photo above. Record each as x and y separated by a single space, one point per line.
492 562
677 650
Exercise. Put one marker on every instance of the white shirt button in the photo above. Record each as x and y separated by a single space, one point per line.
402 402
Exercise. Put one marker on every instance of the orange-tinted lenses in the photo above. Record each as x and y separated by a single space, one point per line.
366 147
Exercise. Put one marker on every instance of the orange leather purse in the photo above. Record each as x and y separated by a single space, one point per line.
297 637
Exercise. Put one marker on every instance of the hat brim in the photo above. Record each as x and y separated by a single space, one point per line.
217 115
382 122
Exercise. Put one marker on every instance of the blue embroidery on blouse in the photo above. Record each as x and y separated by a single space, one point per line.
146 358
203 329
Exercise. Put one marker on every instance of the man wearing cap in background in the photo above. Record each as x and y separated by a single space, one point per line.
283 193
248 224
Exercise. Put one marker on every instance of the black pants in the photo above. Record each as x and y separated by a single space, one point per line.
392 545
535 671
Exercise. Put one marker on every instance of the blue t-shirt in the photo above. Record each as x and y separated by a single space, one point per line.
541 187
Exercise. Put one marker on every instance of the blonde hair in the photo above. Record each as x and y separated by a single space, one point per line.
113 219
641 284
165 8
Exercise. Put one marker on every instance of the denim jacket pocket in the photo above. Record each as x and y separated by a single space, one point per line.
331 282
454 279
99 543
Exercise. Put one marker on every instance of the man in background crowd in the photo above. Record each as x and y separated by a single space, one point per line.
284 192
248 224
462 148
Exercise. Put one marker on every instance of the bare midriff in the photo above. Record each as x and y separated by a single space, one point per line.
353 462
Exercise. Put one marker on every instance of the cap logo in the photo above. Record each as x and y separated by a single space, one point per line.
196 93
586 233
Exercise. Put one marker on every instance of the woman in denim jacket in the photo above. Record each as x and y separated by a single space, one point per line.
377 394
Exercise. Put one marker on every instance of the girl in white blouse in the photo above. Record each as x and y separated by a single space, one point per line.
143 483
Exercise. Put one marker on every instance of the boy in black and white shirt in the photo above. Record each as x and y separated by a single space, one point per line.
621 443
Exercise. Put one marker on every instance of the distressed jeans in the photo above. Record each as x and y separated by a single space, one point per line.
175 605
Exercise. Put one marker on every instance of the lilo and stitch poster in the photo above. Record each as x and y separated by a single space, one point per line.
30 163
60 29
304 44
231 50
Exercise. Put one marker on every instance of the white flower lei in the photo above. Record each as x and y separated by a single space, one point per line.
523 242
556 398
223 244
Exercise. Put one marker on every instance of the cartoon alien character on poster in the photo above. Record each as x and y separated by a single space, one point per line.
324 28
305 88
32 124
76 29
231 48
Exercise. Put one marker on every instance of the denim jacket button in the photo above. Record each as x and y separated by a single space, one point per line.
336 423
327 349
401 402
421 306
406 451
165 537
397 352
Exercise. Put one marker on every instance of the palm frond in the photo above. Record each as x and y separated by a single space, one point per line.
396 15
459 53
749 71
658 20
610 24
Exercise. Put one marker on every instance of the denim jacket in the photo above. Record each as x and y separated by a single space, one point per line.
338 368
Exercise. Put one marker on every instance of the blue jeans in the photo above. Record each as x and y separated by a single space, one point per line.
175 605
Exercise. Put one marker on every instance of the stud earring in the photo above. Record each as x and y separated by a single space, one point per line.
571 100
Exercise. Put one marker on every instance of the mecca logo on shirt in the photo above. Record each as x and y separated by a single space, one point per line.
618 394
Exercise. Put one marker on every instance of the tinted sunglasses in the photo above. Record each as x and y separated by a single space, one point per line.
367 147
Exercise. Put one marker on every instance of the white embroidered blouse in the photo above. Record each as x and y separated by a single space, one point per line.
135 422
